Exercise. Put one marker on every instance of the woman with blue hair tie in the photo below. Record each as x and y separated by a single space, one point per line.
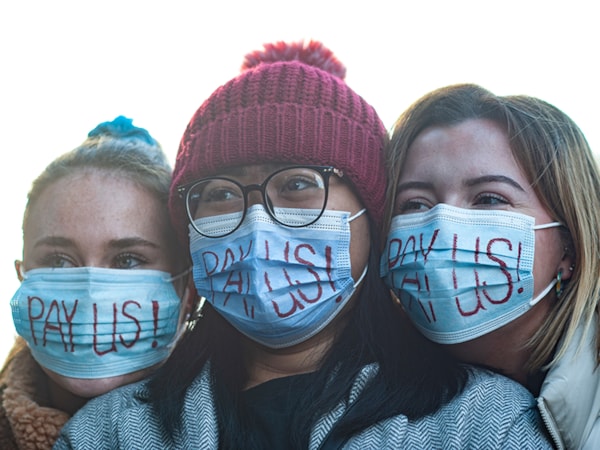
100 304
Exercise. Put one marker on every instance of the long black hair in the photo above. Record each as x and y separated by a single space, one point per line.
415 377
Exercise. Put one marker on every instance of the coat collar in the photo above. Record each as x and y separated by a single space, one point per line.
569 399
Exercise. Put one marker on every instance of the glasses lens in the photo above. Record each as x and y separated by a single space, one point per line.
296 196
215 197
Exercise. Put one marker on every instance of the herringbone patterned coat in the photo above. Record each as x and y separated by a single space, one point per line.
492 413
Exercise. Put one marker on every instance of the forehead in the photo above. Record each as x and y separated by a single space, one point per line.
475 146
91 204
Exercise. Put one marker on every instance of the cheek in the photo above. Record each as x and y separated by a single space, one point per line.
547 256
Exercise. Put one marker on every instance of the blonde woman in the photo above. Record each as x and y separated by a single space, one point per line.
502 195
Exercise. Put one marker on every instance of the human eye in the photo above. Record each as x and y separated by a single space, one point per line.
214 196
216 191
411 205
128 261
296 182
221 194
488 199
415 196
57 261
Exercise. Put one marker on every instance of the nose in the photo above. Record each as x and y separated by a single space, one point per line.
253 195
95 263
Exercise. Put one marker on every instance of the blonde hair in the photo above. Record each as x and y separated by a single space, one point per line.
117 147
556 158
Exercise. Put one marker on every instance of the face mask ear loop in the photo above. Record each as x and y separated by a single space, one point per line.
358 214
542 294
362 276
547 225
180 275
364 272
188 319
180 331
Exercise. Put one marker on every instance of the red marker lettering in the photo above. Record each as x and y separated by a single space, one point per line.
32 318
328 266
295 305
207 258
301 260
503 269
429 246
136 321
47 326
113 347
234 279
69 319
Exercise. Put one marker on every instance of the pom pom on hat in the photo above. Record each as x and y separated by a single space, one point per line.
288 105
122 127
314 54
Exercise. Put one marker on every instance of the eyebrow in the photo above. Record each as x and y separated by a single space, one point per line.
131 242
55 241
59 241
470 182
414 185
494 179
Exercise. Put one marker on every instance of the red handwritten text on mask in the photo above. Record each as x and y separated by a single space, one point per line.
300 266
472 289
59 317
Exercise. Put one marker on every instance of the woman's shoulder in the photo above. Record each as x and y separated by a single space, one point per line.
125 417
487 389
492 412
568 398
95 425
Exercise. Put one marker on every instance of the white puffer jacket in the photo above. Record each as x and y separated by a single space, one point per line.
569 400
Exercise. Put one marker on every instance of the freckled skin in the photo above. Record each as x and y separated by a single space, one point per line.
89 210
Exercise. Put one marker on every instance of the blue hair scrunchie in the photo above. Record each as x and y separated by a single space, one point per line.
122 127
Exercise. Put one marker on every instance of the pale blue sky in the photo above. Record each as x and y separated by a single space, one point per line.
67 65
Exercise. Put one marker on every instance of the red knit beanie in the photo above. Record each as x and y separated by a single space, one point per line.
289 105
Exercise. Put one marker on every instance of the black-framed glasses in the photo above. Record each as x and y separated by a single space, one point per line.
293 196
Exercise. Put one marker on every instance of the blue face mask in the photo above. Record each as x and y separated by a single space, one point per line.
462 273
89 322
277 285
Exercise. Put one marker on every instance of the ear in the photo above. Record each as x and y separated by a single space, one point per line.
567 264
19 268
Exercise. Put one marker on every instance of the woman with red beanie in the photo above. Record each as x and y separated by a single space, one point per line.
278 191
